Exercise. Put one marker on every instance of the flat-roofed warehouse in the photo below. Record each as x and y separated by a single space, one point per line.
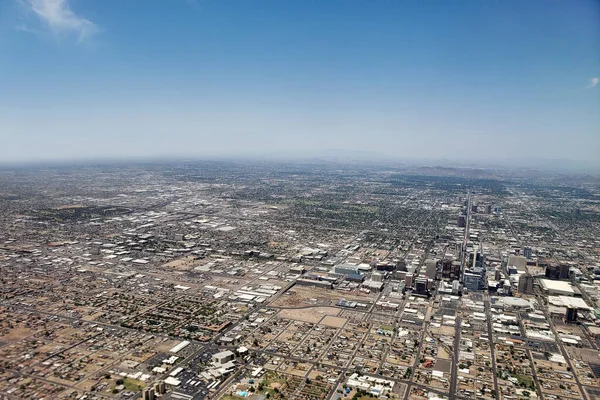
179 346
314 282
566 301
556 288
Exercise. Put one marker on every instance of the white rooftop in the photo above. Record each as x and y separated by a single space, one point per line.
566 301
172 381
557 286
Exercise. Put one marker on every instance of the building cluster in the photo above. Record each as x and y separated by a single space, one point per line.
234 281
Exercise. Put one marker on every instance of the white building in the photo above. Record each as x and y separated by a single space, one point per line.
179 346
556 288
223 357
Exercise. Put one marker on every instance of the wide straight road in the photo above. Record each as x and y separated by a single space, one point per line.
455 357
463 258
488 311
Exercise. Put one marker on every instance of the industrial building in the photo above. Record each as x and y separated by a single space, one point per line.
556 288
346 269
179 346
314 282
373 285
355 278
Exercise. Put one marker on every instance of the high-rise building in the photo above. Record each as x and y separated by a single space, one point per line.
571 315
450 269
462 221
421 286
472 281
518 261
527 252
160 387
401 265
497 274
478 259
552 272
525 284
148 393
408 280
563 271
431 268
455 287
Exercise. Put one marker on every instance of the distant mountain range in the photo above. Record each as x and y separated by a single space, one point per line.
440 166
351 156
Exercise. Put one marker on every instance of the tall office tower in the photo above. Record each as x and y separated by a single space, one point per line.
408 280
525 284
563 271
571 315
431 268
552 271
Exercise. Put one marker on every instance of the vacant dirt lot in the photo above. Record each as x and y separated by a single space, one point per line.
312 315
302 296
334 322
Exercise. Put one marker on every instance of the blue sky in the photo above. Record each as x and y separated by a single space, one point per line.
454 79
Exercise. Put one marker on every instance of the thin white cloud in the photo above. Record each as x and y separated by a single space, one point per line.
593 82
33 31
61 20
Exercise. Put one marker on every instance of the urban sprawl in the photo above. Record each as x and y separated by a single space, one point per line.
264 280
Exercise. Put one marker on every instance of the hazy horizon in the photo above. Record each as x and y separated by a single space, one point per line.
443 80
328 157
